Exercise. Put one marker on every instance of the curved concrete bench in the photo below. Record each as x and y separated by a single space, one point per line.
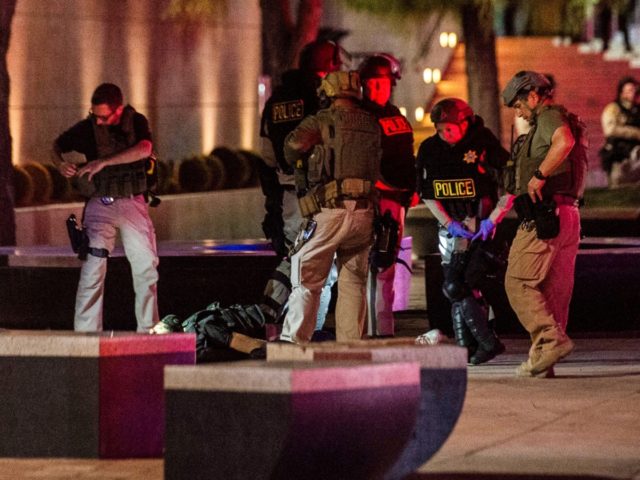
272 420
443 384
66 394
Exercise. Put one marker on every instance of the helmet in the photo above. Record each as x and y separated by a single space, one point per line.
451 110
340 85
524 80
321 56
381 65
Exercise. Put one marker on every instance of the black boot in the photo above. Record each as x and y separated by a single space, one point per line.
475 317
462 334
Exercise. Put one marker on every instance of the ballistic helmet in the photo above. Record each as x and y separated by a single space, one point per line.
341 85
321 56
522 82
380 65
451 110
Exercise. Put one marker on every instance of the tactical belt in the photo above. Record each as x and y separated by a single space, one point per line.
334 193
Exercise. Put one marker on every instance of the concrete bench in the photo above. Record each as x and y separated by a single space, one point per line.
443 383
283 420
66 394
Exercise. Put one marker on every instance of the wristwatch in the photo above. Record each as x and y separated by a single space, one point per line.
538 174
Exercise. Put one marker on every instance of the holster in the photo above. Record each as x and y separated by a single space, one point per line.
544 213
77 237
80 241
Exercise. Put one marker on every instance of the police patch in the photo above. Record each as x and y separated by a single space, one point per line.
394 125
287 111
458 188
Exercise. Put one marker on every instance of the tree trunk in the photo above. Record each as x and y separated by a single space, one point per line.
7 215
480 58
283 36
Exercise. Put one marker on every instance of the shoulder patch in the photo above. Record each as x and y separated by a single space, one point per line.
394 125
456 188
287 111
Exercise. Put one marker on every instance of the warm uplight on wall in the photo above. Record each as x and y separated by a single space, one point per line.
448 39
419 114
431 75
403 111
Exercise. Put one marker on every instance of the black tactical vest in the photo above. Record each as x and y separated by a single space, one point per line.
118 180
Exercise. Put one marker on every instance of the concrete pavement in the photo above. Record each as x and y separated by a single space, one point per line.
585 423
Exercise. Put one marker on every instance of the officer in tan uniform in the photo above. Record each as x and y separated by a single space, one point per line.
549 180
336 154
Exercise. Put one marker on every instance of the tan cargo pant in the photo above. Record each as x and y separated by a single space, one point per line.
344 232
131 217
539 279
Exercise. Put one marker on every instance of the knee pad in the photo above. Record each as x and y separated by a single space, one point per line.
454 289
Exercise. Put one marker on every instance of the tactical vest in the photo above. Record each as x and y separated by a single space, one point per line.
569 179
284 111
459 177
350 147
118 180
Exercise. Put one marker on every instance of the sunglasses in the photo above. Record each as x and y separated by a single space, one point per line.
103 118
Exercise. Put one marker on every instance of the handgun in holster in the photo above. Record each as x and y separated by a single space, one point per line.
543 213
80 241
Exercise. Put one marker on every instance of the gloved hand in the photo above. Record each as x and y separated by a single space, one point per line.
485 232
456 229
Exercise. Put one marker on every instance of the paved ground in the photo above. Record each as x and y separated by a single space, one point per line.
585 423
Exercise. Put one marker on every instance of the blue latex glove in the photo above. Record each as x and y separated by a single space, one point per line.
485 232
456 229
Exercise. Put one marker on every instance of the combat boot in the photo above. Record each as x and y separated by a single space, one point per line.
462 334
475 317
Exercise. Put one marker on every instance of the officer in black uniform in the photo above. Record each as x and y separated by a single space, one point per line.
379 73
460 175
290 102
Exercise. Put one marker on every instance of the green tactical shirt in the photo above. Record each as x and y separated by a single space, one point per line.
536 146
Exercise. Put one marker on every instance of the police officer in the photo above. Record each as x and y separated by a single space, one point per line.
116 141
378 74
549 180
460 173
290 102
337 155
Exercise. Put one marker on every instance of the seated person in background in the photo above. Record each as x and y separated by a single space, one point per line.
620 154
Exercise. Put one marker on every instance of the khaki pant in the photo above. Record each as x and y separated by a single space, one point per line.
344 232
131 217
539 279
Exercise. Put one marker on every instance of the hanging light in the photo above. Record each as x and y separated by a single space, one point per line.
427 75
403 111
452 40
444 39
436 75
419 114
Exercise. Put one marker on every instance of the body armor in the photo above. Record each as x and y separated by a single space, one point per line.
569 178
118 180
465 177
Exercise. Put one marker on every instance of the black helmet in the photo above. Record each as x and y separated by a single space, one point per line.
381 65
523 81
451 110
321 56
